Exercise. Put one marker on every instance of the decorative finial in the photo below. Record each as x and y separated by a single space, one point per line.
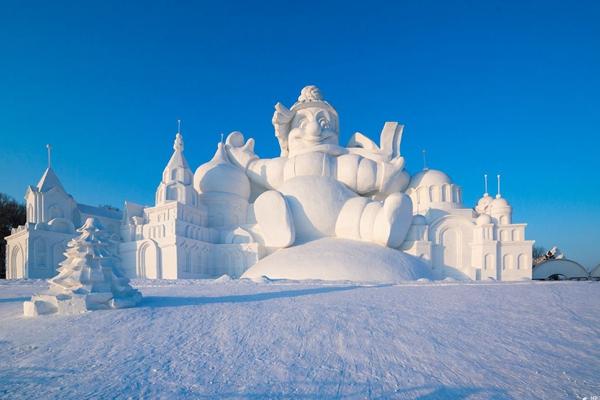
222 138
178 126
49 147
498 195
425 160
485 194
178 144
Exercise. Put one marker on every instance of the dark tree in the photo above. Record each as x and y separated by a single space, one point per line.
538 251
12 214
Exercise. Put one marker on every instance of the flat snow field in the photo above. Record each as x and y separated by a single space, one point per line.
310 340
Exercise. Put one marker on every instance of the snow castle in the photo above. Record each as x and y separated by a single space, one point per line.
242 215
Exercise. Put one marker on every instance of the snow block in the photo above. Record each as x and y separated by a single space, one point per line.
71 304
34 308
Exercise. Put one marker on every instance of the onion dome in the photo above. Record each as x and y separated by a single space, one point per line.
483 205
221 176
429 177
499 202
432 188
483 219
501 211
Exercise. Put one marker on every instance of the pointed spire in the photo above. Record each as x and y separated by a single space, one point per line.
498 195
485 179
425 160
222 138
49 147
49 180
178 144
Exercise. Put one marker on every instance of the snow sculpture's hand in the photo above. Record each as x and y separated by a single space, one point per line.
282 115
241 153
394 178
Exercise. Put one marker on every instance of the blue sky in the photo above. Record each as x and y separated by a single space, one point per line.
485 87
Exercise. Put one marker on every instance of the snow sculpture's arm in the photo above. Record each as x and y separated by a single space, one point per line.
369 177
266 173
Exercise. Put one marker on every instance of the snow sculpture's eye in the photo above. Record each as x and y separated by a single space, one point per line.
324 123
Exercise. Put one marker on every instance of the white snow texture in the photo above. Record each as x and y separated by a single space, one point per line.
238 339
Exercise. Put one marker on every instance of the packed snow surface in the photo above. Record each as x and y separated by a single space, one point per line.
310 340
332 259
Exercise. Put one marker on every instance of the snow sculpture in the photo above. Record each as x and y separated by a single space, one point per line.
87 280
319 211
317 188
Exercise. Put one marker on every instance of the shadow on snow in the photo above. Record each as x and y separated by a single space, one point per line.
176 301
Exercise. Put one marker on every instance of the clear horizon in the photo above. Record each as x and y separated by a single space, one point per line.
508 88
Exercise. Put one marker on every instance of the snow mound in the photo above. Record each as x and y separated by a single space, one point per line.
333 259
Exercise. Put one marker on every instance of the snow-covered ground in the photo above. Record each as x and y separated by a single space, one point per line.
238 339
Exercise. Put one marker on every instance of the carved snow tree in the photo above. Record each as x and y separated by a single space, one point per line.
88 279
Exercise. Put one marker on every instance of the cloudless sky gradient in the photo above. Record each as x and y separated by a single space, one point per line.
510 87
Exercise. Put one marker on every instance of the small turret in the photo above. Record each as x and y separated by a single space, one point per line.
176 184
48 200
500 209
483 205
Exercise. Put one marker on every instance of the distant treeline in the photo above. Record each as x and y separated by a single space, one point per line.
12 214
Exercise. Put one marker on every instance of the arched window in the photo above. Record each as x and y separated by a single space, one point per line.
488 261
522 261
446 194
456 194
434 194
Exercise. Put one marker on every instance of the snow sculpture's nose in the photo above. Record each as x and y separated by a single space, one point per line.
312 130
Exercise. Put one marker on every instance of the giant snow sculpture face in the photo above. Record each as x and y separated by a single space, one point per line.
312 126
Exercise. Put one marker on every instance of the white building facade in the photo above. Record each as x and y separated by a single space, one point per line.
34 250
477 243
188 233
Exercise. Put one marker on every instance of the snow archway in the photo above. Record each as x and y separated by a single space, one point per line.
17 266
449 236
148 262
